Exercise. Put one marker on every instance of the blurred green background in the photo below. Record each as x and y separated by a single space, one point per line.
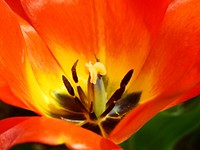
177 128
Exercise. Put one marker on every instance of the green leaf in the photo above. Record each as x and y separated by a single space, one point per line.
169 129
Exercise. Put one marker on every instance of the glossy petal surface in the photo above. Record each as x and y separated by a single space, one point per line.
30 70
50 131
119 33
173 66
12 54
43 73
13 60
17 8
171 70
195 91
106 29
7 95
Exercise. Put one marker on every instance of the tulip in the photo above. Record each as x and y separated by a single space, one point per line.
94 71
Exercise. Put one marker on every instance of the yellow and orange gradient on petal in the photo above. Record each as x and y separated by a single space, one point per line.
131 49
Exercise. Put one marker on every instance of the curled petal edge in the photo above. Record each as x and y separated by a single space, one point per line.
49 131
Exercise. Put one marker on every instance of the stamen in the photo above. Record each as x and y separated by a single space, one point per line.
71 92
74 74
79 102
68 85
126 78
113 100
118 93
93 110
116 96
98 112
83 97
90 88
125 104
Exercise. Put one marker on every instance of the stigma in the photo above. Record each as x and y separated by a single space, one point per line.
95 70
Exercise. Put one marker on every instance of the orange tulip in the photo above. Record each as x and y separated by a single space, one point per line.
95 71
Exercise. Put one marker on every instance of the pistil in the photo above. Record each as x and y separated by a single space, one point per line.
99 97
97 86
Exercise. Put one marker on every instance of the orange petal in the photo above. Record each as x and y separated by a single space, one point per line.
172 72
118 32
173 65
11 55
13 60
49 131
17 8
11 50
27 65
43 73
195 91
7 96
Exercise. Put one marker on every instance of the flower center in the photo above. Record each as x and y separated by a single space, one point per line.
93 110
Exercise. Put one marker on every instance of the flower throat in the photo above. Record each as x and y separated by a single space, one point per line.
92 110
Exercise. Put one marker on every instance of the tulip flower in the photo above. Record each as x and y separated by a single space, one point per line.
94 71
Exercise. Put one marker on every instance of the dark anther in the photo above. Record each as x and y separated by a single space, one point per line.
126 78
108 109
109 124
68 85
118 93
70 116
74 74
68 102
116 96
93 127
125 104
112 101
82 96
78 101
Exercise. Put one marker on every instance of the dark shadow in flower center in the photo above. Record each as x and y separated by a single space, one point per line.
79 109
